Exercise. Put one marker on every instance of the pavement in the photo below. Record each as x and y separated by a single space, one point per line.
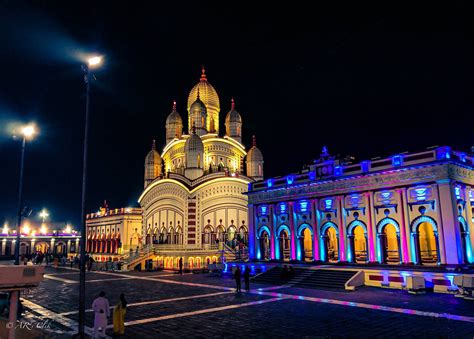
201 306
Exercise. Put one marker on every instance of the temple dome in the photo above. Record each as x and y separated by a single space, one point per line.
194 151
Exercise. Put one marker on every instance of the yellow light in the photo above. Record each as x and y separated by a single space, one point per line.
44 214
94 61
5 229
68 229
26 229
28 131
43 229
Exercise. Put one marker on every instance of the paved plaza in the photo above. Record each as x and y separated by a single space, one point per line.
199 305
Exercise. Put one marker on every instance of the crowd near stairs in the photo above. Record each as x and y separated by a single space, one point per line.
307 278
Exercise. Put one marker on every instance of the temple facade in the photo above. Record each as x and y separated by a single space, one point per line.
412 208
193 202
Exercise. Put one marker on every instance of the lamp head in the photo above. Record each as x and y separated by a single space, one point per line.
28 131
94 61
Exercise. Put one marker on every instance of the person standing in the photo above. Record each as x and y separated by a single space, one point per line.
119 316
237 275
101 309
247 278
180 263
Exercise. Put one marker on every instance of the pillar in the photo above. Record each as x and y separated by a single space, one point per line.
449 230
342 230
315 226
470 236
272 225
404 235
253 246
291 221
371 231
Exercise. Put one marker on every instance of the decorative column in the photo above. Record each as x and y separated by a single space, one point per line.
350 248
272 235
292 229
405 231
315 225
253 246
470 235
342 230
371 241
448 229
52 246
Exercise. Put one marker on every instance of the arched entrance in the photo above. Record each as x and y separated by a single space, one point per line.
329 237
284 244
357 235
263 252
425 238
465 243
305 243
42 247
388 233
207 235
60 248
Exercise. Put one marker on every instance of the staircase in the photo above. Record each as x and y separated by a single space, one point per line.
307 278
325 279
133 259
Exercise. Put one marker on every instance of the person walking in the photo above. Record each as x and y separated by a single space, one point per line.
101 309
237 275
119 316
180 263
247 278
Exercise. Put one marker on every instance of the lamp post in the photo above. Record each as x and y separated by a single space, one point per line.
93 62
27 132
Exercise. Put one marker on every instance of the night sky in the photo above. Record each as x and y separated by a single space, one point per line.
365 81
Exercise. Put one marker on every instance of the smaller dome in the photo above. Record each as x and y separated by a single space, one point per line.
194 150
198 106
153 157
233 115
174 117
254 154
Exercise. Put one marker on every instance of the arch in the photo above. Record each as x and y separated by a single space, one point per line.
328 224
466 246
261 229
425 240
386 221
283 227
283 243
302 227
353 224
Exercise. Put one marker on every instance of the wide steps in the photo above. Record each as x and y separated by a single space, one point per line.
306 278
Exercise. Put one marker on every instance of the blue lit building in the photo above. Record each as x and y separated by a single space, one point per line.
410 208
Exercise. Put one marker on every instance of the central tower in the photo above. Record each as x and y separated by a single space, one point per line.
208 95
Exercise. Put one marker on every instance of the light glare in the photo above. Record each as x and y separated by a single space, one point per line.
94 61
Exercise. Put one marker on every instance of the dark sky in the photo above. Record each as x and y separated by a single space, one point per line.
365 81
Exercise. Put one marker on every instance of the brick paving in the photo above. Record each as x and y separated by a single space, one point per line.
254 315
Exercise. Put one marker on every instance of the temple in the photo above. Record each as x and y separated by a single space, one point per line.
411 208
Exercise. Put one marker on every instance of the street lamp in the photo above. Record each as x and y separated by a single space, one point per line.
27 132
43 215
92 62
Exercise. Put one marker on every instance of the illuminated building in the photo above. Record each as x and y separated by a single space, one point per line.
113 232
406 209
193 206
45 237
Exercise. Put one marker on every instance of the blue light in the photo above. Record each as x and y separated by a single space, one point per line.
304 206
270 183
462 157
386 195
312 175
338 171
282 208
443 152
420 193
457 192
225 267
259 255
397 160
364 166
264 268
290 179
470 196
263 210
328 203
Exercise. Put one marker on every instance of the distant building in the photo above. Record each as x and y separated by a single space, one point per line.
193 206
56 238
113 232
412 208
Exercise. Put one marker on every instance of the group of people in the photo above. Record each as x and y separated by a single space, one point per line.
101 309
238 275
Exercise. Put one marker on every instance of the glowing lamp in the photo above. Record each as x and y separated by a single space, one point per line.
94 61
26 229
43 229
68 229
5 229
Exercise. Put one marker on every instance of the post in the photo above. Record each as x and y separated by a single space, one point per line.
82 276
20 189
12 318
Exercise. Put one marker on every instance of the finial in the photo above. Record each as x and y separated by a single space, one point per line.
254 141
153 146
198 93
194 128
324 152
203 74
174 105
233 103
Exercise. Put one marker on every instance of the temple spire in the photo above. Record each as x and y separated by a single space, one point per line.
198 95
232 104
174 105
254 141
203 73
153 145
